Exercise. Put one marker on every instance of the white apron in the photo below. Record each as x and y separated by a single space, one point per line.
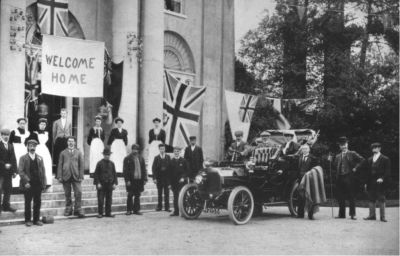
20 150
96 153
44 152
118 150
153 152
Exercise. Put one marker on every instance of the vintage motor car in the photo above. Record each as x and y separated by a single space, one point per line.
245 188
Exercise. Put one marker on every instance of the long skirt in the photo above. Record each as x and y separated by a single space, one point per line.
44 152
153 152
20 150
118 150
96 153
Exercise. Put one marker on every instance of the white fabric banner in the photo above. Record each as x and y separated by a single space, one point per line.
240 109
72 67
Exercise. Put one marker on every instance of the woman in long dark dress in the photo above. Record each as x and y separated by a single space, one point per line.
95 140
118 141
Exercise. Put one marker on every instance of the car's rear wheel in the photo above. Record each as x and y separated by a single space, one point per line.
189 202
294 199
240 205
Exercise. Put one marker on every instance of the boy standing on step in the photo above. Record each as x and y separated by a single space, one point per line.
105 180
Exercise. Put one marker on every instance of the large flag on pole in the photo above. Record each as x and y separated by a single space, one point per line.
182 105
240 109
53 17
281 121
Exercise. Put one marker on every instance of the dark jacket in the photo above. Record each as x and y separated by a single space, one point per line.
161 167
7 156
354 160
25 170
194 159
115 134
304 167
105 173
128 172
161 136
380 171
95 134
178 169
70 165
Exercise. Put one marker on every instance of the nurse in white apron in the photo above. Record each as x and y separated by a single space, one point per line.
96 142
42 136
156 137
118 141
17 138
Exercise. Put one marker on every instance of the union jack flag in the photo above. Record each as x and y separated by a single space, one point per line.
182 105
53 17
247 107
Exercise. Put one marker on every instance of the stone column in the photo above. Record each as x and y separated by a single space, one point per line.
126 21
12 69
151 72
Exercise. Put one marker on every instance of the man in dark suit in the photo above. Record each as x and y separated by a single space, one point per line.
378 174
238 149
346 163
194 157
70 174
305 164
161 165
8 169
62 129
33 182
178 173
135 175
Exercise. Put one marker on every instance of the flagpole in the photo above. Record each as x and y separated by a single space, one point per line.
330 174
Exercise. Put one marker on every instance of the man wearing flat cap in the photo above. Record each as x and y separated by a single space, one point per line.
135 175
378 174
105 179
177 176
238 149
346 163
194 157
8 169
33 182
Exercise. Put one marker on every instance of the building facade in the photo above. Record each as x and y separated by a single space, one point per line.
192 39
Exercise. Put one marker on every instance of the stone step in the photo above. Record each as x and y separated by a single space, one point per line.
85 202
7 218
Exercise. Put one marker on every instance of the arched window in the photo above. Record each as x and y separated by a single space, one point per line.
178 58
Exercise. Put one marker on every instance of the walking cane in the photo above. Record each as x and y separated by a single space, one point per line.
330 175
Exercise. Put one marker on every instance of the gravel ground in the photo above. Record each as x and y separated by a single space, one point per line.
156 233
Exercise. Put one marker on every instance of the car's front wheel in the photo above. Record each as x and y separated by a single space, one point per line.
294 199
240 205
189 202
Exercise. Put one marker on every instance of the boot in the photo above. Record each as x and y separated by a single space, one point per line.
372 215
382 211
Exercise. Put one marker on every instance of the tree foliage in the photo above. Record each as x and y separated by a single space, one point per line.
342 52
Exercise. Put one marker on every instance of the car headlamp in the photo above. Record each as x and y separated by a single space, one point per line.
198 179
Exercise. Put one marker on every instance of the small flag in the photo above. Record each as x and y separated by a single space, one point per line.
53 17
240 109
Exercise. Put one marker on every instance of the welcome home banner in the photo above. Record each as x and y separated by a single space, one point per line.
72 67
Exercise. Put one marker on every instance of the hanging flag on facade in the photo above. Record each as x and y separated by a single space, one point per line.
53 17
182 105
240 109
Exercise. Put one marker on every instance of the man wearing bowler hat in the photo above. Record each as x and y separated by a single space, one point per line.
194 157
105 179
378 174
8 169
346 163
135 174
33 182
177 176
